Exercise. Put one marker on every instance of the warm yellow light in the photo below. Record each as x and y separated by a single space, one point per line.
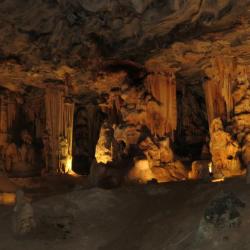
7 198
68 164
210 167
69 170
103 155
218 180
141 172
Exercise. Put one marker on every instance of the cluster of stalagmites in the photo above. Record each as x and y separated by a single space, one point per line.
225 151
36 131
136 137
145 118
139 159
137 134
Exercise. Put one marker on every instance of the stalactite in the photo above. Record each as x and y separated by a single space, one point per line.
163 88
11 111
214 101
68 116
3 120
224 150
225 72
54 104
218 90
8 109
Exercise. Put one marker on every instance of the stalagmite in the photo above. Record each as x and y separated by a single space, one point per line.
141 172
68 121
200 170
224 151
103 153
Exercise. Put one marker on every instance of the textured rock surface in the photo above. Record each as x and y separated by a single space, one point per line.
224 150
105 50
103 152
200 170
132 217
43 40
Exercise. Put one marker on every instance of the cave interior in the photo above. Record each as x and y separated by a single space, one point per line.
113 94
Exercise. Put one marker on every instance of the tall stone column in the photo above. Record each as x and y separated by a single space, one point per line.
54 104
228 98
3 120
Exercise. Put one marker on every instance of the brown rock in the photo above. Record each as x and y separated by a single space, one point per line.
199 170
224 150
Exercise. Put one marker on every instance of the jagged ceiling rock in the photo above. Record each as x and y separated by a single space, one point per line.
39 38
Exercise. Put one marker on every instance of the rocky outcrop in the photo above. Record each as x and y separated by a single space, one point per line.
200 170
141 172
103 151
224 150
23 217
241 119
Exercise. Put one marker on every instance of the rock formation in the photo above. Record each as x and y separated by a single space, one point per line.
156 72
224 150
23 217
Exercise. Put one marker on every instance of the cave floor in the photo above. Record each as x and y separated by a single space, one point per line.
37 188
154 216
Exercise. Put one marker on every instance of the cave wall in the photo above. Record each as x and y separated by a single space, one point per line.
66 45
140 125
36 131
22 122
229 85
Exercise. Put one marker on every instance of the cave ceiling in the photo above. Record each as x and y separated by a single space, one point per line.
42 40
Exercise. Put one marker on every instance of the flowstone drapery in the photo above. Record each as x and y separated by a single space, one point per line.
59 125
162 118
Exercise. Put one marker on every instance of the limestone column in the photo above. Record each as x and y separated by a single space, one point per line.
54 105
3 121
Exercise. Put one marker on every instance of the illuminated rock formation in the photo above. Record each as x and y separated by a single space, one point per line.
141 172
224 150
161 118
173 171
103 152
66 66
200 170
246 150
218 90
20 159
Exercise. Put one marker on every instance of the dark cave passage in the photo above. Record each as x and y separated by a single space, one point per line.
192 134
87 124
